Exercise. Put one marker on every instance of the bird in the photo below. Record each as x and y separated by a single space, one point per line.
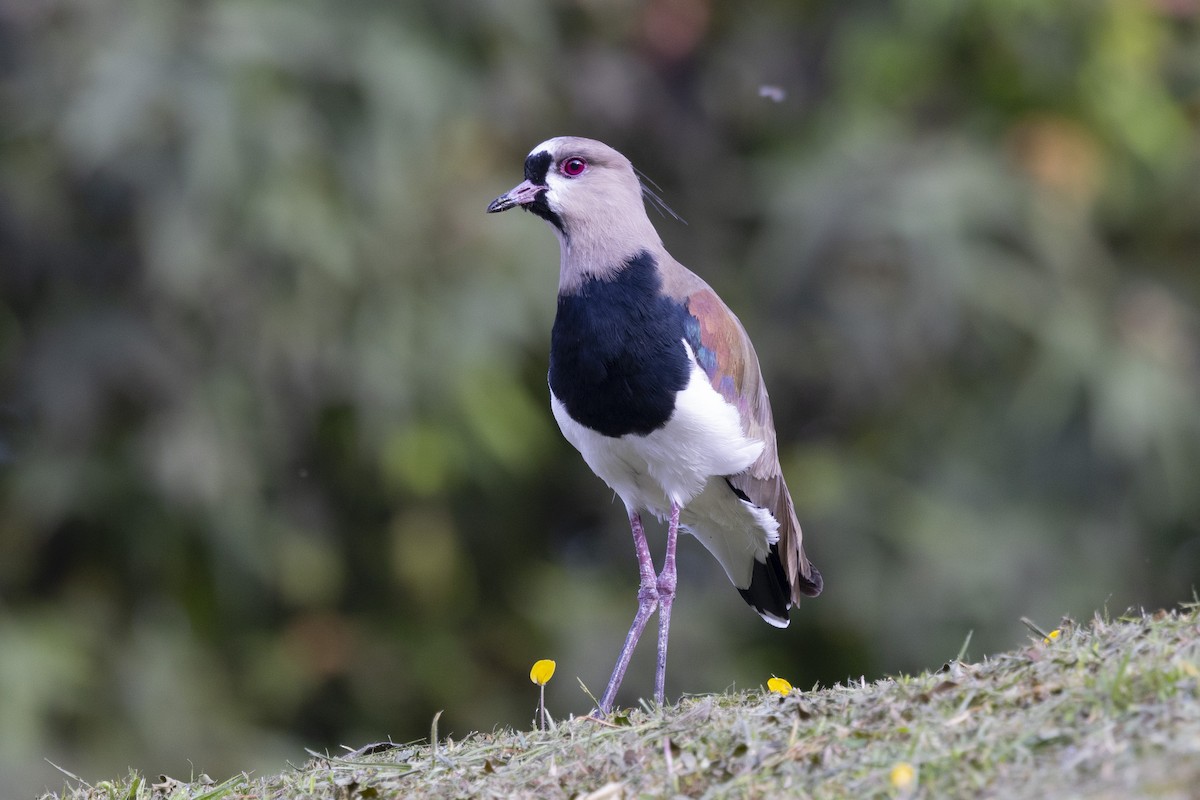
655 382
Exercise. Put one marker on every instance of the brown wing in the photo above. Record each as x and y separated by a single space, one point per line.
727 357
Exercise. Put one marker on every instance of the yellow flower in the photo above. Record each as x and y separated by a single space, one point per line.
779 686
903 776
542 671
1051 636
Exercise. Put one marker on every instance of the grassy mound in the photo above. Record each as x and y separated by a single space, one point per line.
1106 709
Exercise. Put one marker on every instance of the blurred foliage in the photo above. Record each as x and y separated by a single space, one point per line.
276 462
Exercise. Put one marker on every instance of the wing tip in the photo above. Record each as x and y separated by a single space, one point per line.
811 585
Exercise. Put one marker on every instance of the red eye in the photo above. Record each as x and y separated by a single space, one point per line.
572 167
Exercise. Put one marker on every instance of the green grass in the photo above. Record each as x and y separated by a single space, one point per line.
1108 709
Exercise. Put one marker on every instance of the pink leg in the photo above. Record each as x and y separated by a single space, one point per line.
647 603
666 596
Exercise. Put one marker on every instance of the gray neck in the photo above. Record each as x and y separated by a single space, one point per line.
600 251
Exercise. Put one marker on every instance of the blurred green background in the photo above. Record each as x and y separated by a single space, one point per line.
277 466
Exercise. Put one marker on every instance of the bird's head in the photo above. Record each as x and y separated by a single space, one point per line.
590 194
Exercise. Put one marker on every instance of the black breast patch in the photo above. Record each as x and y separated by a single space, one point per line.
616 355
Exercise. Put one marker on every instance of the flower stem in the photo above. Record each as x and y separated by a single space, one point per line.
542 707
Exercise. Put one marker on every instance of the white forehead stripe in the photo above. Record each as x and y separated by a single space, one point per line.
544 146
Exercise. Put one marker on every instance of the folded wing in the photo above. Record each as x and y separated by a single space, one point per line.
726 355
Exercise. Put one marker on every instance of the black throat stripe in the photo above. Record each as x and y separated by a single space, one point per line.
536 168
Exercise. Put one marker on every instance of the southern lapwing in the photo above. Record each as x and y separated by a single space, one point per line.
654 381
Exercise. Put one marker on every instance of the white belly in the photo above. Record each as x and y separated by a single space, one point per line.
702 439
